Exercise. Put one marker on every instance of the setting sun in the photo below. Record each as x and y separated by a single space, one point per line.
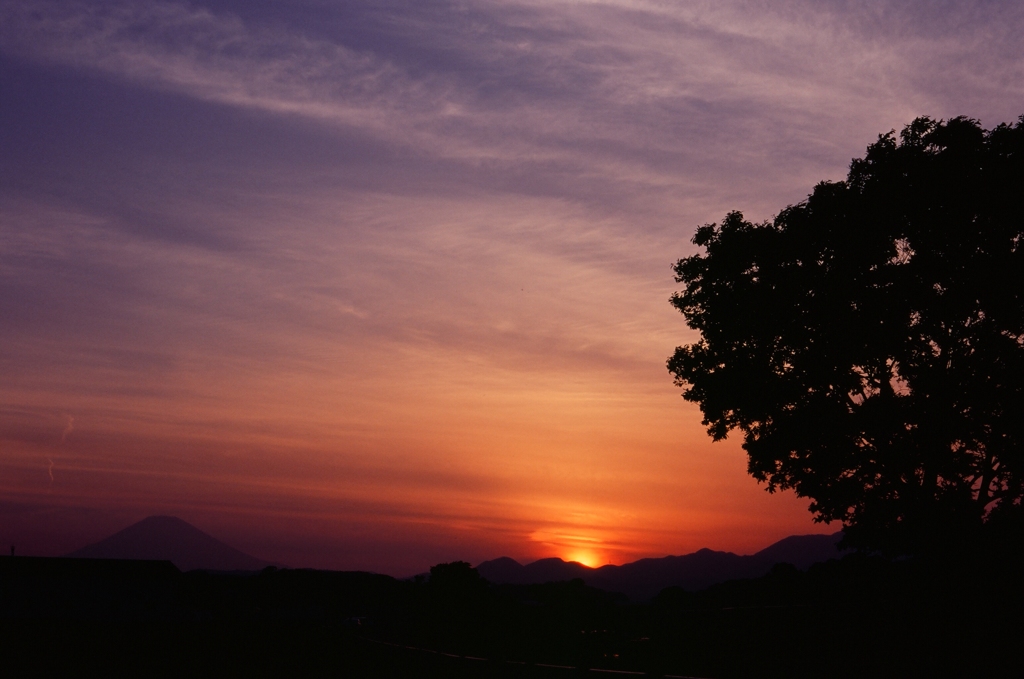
590 559
586 545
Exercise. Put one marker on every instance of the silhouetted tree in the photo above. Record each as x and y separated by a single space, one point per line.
869 341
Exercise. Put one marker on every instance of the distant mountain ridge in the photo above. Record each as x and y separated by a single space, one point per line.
641 580
168 538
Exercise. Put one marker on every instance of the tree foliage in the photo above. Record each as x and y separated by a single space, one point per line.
869 341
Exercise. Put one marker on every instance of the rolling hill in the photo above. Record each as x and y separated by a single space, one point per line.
641 580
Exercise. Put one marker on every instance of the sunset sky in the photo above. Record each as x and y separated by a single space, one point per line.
380 284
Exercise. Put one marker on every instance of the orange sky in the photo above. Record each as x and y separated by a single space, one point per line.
538 425
349 288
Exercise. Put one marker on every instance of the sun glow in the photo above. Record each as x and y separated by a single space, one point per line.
587 558
584 544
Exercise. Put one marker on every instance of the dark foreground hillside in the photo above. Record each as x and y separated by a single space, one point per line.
857 617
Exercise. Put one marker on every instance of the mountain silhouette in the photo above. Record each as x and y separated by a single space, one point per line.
641 580
168 538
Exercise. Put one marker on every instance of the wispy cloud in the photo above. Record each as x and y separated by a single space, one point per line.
635 92
404 265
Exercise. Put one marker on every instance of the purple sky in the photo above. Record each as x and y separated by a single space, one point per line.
382 284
